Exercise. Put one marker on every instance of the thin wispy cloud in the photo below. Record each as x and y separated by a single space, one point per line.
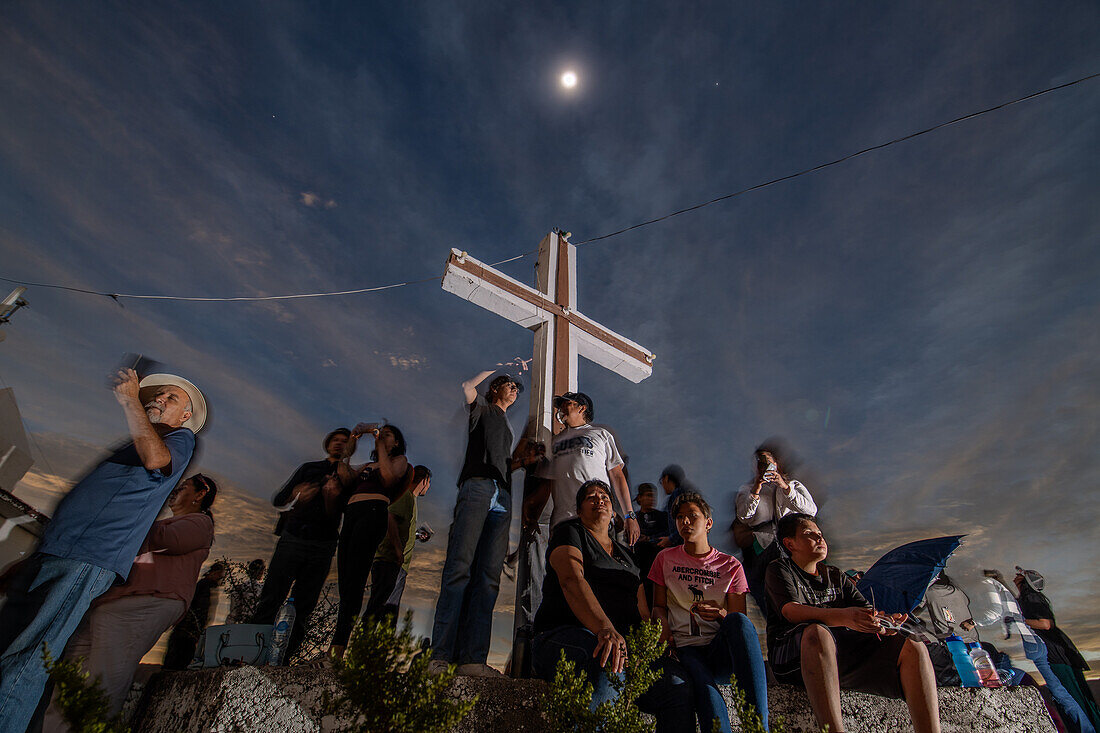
316 201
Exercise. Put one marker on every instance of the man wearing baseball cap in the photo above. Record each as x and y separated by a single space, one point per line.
95 534
583 451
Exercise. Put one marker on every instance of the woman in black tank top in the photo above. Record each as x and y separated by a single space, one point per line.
377 485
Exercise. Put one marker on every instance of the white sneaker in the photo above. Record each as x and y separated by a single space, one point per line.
438 666
479 670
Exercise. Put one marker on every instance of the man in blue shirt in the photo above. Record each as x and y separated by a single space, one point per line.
95 534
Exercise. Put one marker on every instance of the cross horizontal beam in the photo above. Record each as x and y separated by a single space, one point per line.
593 338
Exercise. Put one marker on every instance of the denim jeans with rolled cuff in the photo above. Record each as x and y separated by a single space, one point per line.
476 547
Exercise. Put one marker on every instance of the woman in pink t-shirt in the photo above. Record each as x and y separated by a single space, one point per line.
125 622
699 598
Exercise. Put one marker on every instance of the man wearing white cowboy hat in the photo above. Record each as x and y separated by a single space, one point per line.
95 534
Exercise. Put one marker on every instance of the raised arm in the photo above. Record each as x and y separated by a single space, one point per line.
150 446
469 387
746 502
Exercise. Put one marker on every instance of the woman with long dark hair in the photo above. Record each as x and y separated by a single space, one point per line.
366 519
124 623
769 496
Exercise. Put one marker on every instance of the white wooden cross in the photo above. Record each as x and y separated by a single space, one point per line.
562 333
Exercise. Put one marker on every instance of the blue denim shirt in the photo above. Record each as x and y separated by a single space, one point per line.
104 518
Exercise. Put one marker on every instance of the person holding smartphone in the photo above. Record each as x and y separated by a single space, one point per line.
771 495
310 505
95 533
825 636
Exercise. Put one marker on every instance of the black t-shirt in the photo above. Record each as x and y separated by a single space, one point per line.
786 583
654 524
1060 649
614 580
308 520
489 449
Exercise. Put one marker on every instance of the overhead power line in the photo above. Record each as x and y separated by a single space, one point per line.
839 160
648 222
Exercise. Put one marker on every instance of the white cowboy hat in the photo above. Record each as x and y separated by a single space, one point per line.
147 390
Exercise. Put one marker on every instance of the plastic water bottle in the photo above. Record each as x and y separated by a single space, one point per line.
987 671
964 663
280 632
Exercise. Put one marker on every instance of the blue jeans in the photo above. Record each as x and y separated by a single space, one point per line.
476 546
733 652
669 700
46 600
1068 707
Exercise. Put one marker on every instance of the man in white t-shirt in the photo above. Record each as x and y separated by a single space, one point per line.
582 452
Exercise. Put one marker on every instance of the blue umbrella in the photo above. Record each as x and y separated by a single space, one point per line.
897 582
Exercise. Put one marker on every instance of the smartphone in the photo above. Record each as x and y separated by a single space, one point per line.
143 365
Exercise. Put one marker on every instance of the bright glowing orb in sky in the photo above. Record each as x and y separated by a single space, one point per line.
569 80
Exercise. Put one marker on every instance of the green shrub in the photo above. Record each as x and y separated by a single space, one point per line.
567 704
82 703
386 686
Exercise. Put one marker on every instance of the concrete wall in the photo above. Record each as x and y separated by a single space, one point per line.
289 699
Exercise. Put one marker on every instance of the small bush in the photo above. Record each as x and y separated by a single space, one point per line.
567 704
82 703
385 684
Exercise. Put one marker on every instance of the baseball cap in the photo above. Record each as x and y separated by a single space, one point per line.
504 379
580 398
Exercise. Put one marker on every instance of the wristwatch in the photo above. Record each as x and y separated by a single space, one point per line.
630 515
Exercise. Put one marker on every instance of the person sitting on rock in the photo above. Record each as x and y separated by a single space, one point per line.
699 598
824 635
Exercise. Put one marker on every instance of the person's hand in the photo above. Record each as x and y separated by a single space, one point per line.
895 619
363 428
633 531
860 619
126 386
332 487
663 542
610 648
534 453
708 611
774 477
305 491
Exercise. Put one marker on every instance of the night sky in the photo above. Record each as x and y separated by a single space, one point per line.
920 322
